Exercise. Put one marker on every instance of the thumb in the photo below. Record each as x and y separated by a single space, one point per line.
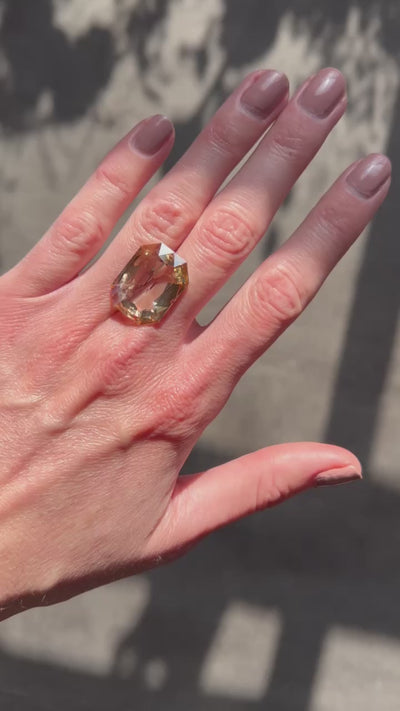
203 502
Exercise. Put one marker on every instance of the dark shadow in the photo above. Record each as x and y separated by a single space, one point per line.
143 21
372 325
40 57
310 558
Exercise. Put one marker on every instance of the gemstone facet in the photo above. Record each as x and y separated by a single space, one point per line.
149 284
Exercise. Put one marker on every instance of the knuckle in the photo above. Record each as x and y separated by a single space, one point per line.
225 136
175 409
331 220
162 219
278 295
112 182
181 406
227 234
78 232
286 143
270 492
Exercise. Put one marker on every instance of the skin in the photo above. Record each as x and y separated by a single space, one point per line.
97 416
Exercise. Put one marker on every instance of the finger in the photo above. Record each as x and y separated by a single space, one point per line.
286 282
203 502
82 228
239 216
169 211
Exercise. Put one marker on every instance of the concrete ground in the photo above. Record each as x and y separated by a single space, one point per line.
295 609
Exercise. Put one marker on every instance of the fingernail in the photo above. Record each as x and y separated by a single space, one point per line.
261 97
341 475
323 93
370 174
151 135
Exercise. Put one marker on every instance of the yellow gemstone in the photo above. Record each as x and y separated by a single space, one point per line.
150 283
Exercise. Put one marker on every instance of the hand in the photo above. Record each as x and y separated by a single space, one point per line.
98 416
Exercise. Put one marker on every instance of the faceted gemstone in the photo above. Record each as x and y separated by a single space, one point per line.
150 283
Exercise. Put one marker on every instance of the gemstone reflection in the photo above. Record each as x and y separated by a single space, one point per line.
149 284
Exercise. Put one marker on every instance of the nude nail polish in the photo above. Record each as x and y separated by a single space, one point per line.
264 95
323 93
369 175
151 135
341 475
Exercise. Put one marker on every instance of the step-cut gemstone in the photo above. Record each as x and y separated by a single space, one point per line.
150 283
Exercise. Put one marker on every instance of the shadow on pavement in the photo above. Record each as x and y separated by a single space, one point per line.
40 58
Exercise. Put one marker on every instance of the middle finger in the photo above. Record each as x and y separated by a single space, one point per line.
171 208
239 215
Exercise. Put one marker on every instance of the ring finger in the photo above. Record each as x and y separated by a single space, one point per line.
240 214
285 283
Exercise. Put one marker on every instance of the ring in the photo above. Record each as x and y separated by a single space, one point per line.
149 284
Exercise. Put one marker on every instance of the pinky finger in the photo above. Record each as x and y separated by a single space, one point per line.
82 228
281 288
